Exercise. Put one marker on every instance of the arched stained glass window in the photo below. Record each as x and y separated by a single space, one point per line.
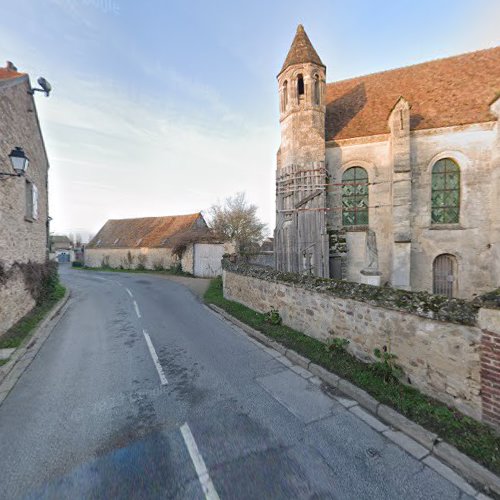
445 198
355 197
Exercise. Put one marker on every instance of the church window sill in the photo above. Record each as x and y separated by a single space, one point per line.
355 228
445 227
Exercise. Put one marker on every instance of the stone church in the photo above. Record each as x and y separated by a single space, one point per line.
391 178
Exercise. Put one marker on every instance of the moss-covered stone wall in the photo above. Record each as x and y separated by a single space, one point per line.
422 304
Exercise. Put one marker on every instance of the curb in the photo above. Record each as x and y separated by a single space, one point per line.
434 446
27 351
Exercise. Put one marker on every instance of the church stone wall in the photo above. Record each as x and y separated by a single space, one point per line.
473 241
470 240
373 156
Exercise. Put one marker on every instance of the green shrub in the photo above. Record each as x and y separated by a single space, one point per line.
273 317
386 367
176 269
336 344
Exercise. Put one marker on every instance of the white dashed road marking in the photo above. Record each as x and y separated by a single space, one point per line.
156 361
137 309
199 464
129 292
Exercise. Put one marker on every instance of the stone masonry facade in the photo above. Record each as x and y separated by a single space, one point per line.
458 364
394 127
23 237
131 258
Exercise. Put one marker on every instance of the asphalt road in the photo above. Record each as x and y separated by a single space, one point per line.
94 416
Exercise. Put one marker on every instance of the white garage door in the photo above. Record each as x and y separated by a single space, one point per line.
207 260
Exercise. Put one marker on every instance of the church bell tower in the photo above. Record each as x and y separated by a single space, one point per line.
301 240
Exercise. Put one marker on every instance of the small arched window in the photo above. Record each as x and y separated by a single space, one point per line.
316 90
355 197
300 86
445 197
285 95
444 271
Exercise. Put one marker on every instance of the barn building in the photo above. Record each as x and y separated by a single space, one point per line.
176 241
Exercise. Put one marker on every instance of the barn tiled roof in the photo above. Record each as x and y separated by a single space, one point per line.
59 239
301 50
144 232
453 91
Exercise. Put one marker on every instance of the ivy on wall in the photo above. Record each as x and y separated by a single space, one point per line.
40 279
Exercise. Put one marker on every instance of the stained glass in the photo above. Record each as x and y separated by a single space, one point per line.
355 197
445 192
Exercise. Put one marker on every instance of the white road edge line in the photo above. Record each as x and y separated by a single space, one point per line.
156 361
128 291
199 464
137 309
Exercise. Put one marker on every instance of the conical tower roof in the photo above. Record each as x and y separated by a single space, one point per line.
301 51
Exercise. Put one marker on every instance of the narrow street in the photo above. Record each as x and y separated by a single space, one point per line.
142 392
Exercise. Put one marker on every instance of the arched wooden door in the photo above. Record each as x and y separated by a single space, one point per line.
444 275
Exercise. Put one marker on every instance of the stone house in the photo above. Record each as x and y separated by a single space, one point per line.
23 199
392 177
157 243
61 249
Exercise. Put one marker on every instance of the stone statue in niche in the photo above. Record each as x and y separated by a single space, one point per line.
370 274
371 259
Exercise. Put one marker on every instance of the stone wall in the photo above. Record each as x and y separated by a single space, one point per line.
474 241
187 261
22 238
15 301
130 258
263 258
444 359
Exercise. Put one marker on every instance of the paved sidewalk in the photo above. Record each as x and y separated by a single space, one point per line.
197 285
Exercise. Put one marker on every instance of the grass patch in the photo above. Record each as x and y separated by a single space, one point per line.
25 326
471 437
174 271
3 361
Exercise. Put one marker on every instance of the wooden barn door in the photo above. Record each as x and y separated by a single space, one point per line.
444 275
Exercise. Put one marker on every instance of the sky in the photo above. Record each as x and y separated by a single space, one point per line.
163 107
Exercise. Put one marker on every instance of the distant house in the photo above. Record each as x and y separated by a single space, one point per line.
183 241
24 217
61 249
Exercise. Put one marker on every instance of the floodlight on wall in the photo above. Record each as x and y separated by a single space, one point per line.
19 162
46 87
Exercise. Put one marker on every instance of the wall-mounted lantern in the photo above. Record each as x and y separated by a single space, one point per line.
19 162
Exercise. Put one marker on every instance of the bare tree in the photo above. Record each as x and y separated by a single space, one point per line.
235 219
77 242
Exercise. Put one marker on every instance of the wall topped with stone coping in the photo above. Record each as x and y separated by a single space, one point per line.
448 349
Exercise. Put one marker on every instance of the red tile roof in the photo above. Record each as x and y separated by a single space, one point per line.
144 232
8 73
453 91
